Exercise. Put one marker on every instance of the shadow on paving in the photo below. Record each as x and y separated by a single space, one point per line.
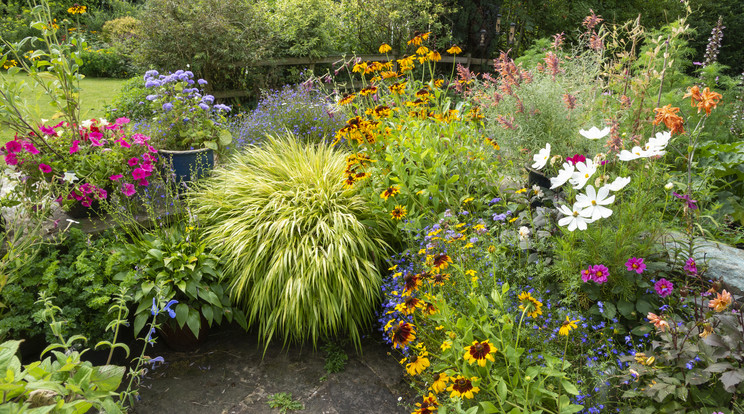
227 374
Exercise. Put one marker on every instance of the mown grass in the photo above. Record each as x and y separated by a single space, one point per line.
95 93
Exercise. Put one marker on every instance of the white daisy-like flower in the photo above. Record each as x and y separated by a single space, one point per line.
594 133
634 154
592 204
574 220
524 233
618 184
584 171
564 174
541 158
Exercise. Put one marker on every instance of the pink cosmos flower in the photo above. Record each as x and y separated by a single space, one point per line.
133 161
600 273
664 288
691 267
586 274
128 189
115 177
74 148
44 168
635 264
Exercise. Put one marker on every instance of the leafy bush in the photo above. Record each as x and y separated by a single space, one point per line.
299 110
78 272
211 36
105 63
130 102
302 252
307 28
122 33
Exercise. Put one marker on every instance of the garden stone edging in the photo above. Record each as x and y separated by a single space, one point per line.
723 261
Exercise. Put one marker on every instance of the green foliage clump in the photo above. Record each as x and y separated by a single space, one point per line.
78 272
307 28
105 63
302 251
130 102
284 402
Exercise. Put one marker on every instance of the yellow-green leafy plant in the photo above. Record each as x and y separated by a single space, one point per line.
302 250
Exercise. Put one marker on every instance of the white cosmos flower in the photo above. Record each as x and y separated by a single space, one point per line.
541 158
594 133
591 204
524 233
618 184
573 219
584 171
563 175
634 154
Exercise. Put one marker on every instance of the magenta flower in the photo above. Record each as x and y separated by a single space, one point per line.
691 204
143 182
74 148
122 121
600 273
30 148
11 159
146 167
635 264
47 130
12 147
87 201
133 161
123 143
115 177
691 267
586 275
128 189
101 193
87 188
140 139
139 174
44 168
576 159
664 287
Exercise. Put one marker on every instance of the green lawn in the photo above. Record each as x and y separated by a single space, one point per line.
96 92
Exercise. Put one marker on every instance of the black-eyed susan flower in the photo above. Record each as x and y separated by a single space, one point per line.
492 142
384 48
402 333
77 9
440 383
418 362
390 192
347 98
428 406
445 346
454 50
382 111
438 279
532 306
418 38
360 67
398 212
398 87
434 56
350 180
422 50
567 326
370 90
411 282
441 261
409 305
388 74
463 387
479 352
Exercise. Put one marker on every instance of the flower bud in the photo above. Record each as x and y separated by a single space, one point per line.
669 186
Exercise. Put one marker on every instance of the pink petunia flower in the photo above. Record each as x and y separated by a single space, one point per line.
139 174
133 161
30 148
74 148
115 177
87 188
12 147
11 159
87 201
147 167
123 143
635 264
44 168
664 288
140 139
128 189
122 121
143 182
101 194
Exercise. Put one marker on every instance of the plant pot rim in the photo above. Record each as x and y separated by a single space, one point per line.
166 151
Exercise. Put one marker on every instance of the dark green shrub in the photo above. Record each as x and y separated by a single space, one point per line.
302 251
106 63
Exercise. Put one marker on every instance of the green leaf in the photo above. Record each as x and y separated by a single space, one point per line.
570 387
453 179
644 307
158 254
182 313
225 137
107 377
8 351
194 322
626 308
208 313
211 145
609 311
488 407
140 321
